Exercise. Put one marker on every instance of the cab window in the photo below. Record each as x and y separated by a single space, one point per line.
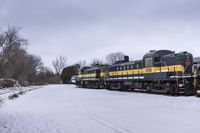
148 62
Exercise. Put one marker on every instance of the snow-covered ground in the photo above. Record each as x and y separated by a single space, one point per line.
67 109
5 93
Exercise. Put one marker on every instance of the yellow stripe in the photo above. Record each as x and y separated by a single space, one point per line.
102 74
92 75
175 68
126 72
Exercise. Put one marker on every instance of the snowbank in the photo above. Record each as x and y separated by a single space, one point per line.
13 92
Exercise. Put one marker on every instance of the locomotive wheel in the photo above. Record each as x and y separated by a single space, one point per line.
123 88
167 87
173 90
83 85
149 88
116 86
101 85
97 85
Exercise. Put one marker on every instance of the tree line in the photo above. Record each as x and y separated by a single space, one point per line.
16 63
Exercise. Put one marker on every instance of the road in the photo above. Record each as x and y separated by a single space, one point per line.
67 109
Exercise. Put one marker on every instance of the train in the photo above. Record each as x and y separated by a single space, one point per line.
159 71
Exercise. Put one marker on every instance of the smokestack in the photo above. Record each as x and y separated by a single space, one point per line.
126 58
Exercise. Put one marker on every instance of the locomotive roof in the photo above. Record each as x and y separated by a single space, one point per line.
158 53
96 67
92 68
127 63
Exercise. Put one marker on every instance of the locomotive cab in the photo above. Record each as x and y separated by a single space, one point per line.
170 69
153 58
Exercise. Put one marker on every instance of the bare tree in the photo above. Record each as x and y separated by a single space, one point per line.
82 63
96 62
46 76
113 57
10 40
59 64
22 66
11 47
16 63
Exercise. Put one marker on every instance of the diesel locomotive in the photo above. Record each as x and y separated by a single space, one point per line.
161 71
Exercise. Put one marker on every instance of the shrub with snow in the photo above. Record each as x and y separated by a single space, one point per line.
4 83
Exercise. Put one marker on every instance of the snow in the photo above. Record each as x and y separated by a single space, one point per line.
67 109
5 93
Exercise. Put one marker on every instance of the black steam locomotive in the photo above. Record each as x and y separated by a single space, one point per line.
161 71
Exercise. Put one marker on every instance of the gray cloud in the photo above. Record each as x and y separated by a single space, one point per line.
87 29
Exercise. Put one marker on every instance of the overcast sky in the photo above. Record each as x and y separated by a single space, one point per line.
87 29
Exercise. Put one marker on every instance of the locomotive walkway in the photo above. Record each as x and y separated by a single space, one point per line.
67 109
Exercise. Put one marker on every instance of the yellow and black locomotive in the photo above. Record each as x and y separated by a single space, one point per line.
161 71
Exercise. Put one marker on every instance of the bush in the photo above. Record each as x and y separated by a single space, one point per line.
8 83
